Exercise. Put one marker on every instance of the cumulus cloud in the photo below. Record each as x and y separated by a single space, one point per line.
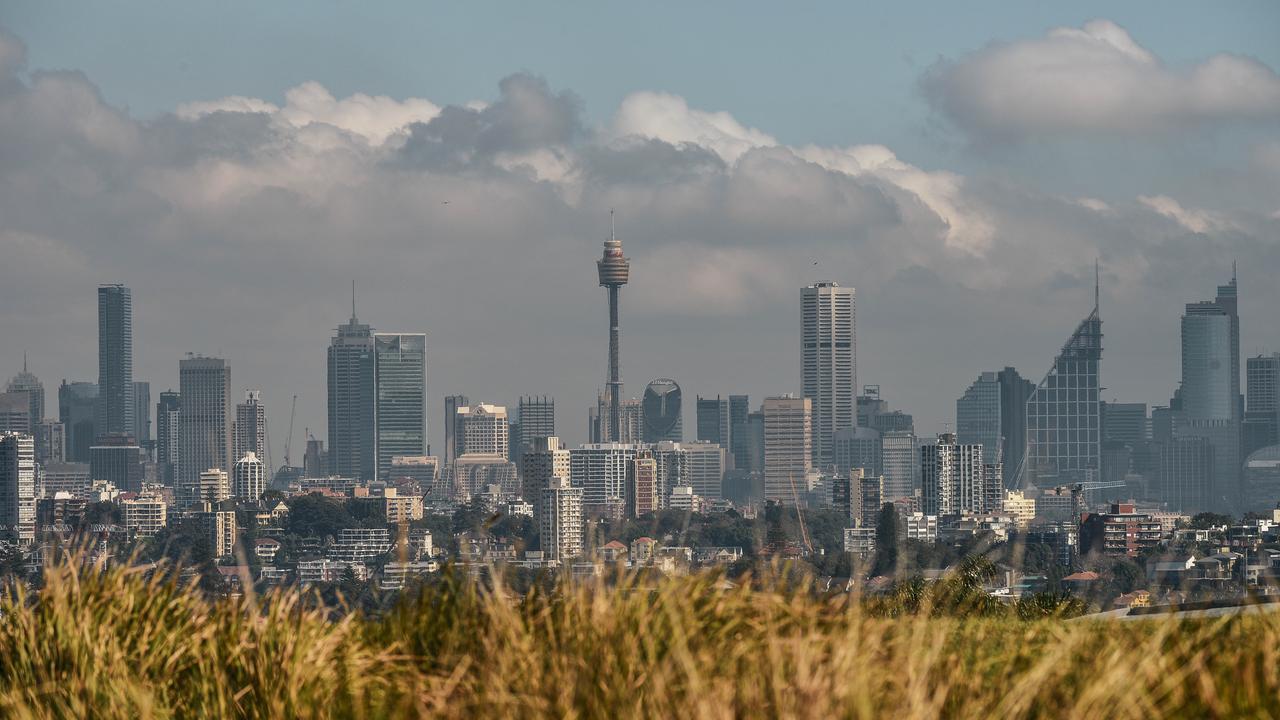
1095 78
372 117
240 222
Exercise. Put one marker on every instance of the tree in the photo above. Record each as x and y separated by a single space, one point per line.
886 540
1206 520
316 515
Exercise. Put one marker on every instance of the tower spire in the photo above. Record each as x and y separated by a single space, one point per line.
614 236
24 362
353 301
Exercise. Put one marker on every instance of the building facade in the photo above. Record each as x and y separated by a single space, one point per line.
18 488
829 368
952 477
204 423
167 411
351 401
249 477
979 417
788 448
115 360
400 412
1064 414
250 429
560 521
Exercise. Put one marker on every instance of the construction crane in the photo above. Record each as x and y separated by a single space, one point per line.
288 439
795 498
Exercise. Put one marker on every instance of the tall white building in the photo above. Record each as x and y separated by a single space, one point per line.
250 426
829 367
952 477
560 521
18 488
788 448
600 470
249 477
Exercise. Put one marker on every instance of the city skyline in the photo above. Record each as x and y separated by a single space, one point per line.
935 250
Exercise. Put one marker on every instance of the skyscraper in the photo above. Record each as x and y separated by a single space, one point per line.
115 360
1064 416
739 441
537 419
713 421
451 405
1263 383
204 423
630 415
351 401
167 411
78 411
829 366
662 412
614 270
117 459
1015 391
900 464
18 488
26 382
788 448
250 429
142 413
400 414
979 419
15 413
1262 418
1210 390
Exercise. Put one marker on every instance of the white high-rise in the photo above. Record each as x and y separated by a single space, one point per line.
952 477
248 477
18 488
829 363
600 470
560 521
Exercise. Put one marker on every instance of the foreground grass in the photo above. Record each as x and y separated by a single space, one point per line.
119 644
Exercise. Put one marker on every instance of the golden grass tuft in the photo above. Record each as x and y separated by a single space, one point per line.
108 643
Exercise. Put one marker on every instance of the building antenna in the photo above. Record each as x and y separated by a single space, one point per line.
1233 271
24 361
1097 282
612 234
353 299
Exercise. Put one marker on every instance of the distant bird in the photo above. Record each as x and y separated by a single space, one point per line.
444 202
815 262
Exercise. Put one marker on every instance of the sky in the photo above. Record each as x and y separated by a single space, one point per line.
961 165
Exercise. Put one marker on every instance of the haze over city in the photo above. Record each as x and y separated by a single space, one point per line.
238 176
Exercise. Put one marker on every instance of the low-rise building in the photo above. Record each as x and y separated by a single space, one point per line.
921 527
144 515
402 509
860 541
1121 532
266 549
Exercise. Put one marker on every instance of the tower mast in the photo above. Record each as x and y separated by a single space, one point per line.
614 270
